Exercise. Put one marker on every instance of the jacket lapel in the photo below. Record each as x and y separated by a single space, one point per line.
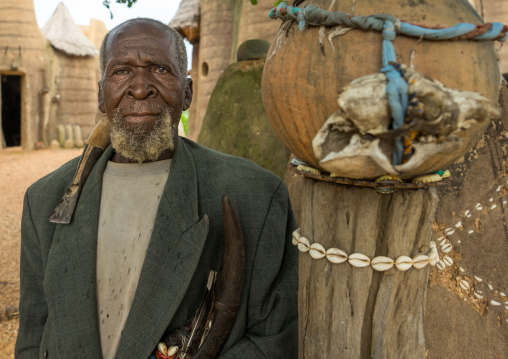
172 256
70 281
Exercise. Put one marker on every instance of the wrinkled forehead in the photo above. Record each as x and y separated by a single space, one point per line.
140 35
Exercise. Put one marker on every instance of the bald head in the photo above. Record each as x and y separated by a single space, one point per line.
180 46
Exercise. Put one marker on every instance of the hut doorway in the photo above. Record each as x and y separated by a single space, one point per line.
11 110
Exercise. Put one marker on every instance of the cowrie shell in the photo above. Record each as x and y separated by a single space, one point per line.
420 261
502 294
336 255
443 241
317 251
491 287
478 279
471 231
446 248
433 253
493 302
449 231
303 245
163 348
447 260
459 223
296 236
462 269
358 260
433 261
493 206
381 263
440 265
498 189
478 295
464 284
403 263
466 213
172 350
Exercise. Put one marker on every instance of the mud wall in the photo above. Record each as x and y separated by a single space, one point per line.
22 53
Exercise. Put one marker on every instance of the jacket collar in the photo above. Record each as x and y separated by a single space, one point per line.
172 256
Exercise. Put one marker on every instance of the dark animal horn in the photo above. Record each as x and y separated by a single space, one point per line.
229 285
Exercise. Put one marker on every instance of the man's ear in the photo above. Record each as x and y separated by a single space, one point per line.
101 99
187 100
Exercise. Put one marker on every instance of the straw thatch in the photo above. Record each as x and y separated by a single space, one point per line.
187 15
65 35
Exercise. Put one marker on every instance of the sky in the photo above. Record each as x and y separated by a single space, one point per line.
83 10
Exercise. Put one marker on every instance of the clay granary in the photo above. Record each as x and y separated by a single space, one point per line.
48 77
216 28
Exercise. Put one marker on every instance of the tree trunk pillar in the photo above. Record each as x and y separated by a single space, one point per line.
350 312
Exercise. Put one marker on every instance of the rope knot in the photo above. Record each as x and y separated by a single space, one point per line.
389 31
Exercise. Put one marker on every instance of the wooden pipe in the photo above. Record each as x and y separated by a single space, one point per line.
98 141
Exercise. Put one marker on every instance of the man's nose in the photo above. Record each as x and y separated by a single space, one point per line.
142 87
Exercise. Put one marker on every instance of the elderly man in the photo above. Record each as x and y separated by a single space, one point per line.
131 267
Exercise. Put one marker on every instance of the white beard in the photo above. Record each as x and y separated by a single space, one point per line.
133 144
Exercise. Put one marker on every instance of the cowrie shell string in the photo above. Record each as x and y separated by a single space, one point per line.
359 260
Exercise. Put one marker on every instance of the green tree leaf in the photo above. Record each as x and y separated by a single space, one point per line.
185 121
129 3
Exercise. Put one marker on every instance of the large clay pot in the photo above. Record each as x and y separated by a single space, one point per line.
302 78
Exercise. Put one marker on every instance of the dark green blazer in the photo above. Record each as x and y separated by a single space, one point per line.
58 305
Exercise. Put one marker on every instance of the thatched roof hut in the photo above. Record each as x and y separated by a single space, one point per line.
22 68
66 36
74 73
186 19
95 32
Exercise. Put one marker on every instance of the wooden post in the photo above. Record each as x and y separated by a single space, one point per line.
349 312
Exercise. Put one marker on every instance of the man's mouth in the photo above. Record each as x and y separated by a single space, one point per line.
140 114
134 118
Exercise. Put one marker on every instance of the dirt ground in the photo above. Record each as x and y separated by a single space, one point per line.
18 170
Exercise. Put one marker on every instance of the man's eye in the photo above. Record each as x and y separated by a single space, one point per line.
161 70
121 72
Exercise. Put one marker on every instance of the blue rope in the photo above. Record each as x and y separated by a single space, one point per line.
314 16
283 11
396 88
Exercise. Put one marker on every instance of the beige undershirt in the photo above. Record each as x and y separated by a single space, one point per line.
130 197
